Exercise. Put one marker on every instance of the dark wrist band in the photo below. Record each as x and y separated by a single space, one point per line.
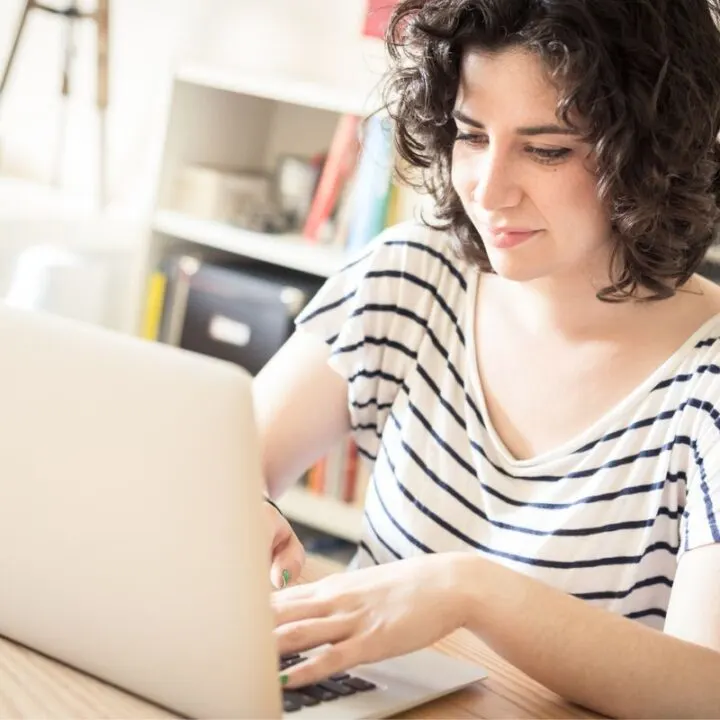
268 500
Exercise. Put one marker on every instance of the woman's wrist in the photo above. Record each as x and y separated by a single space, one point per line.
267 499
471 579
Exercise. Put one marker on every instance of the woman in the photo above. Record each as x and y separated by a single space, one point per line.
534 380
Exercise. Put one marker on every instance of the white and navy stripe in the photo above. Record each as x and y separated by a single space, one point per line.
604 518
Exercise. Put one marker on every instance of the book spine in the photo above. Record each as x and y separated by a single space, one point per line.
157 285
372 185
187 266
338 166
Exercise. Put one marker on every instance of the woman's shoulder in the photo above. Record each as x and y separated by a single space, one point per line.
692 376
709 291
413 234
691 314
417 249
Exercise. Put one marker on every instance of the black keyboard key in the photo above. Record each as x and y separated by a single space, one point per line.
359 684
320 693
287 662
337 677
291 703
336 687
297 697
307 700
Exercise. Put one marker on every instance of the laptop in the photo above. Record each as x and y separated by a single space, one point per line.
133 545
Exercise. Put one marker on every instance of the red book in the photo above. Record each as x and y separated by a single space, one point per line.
377 17
338 166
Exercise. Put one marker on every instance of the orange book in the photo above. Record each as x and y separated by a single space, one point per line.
316 477
339 164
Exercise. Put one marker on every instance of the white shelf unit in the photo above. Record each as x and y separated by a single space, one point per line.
326 514
242 120
290 251
290 90
713 254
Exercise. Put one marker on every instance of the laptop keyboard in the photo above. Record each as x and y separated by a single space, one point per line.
338 685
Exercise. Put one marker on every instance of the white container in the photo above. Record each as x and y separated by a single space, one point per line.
64 283
212 193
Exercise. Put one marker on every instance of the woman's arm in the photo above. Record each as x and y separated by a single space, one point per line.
586 654
300 407
596 658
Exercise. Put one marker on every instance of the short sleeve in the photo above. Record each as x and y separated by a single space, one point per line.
700 523
371 314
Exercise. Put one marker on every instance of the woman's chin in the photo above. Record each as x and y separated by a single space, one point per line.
512 267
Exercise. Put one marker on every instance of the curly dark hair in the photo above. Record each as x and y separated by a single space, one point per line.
644 76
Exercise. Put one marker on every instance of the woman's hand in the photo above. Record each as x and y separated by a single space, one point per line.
367 615
288 554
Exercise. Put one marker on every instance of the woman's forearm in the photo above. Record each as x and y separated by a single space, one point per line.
587 655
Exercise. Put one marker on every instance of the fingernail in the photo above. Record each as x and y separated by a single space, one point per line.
283 679
285 578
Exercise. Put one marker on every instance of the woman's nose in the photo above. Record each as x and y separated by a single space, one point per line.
495 183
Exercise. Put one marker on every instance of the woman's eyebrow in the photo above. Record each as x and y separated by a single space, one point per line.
533 130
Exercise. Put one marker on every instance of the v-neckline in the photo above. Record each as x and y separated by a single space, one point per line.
598 428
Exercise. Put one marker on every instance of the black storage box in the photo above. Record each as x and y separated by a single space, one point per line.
241 314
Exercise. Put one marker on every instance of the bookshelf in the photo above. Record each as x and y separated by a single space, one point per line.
290 251
297 91
326 514
231 118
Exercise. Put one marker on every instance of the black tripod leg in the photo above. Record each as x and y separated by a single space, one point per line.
14 46
103 79
69 53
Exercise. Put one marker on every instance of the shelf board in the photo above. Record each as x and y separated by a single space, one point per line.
273 87
290 251
322 513
713 254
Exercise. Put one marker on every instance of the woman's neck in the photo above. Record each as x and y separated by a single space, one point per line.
566 307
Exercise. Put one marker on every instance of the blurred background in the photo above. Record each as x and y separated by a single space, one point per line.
190 171
50 142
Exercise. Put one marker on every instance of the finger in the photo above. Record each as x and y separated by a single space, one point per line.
278 528
333 659
308 634
293 593
288 609
281 531
287 563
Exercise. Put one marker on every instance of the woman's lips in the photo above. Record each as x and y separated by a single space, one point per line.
504 238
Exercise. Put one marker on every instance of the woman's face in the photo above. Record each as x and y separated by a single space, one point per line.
516 168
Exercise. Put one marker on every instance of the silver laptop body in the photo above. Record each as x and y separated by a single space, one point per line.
132 542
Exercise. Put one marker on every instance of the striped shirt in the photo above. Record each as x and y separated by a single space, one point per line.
605 517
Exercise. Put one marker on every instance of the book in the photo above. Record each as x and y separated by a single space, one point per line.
377 16
180 271
372 184
338 167
155 298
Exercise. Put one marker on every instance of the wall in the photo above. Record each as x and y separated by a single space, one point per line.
313 39
316 40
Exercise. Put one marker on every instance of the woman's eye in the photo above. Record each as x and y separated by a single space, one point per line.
549 154
543 155
472 139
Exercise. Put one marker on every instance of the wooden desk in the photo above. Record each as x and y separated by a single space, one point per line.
33 686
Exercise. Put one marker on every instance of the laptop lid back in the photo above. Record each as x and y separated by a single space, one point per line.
132 542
